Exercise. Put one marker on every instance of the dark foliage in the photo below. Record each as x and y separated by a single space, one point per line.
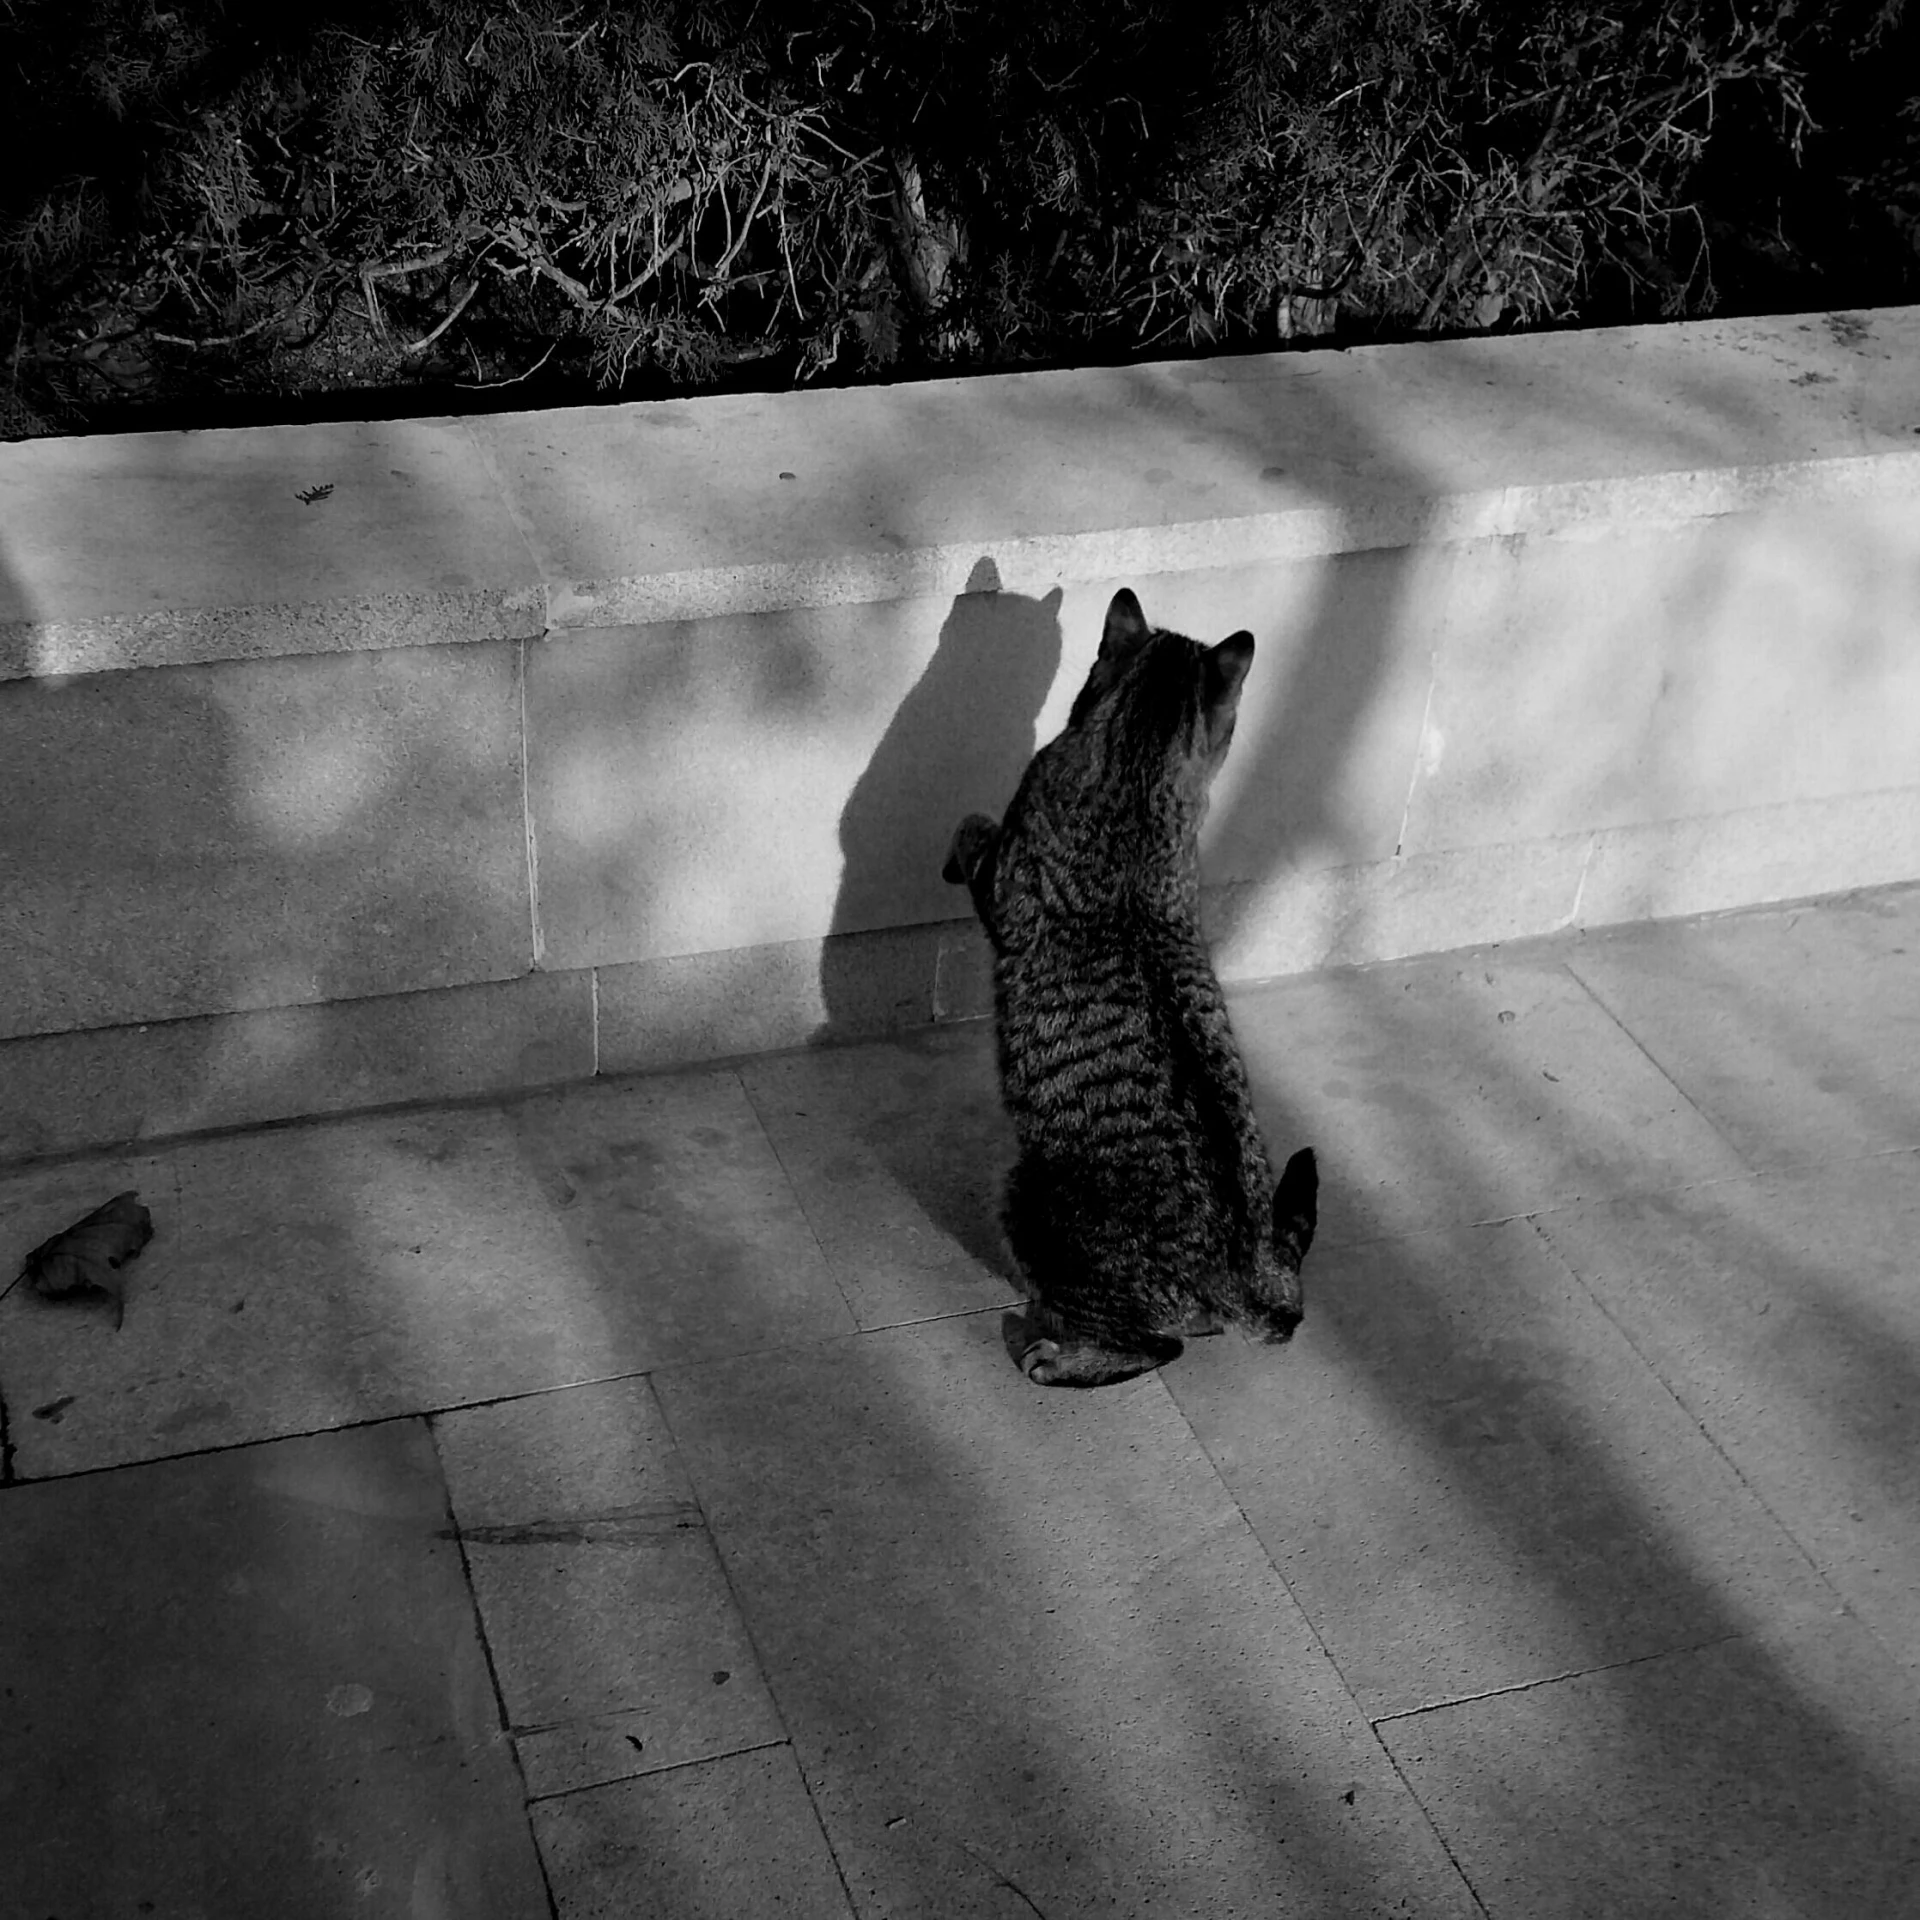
595 196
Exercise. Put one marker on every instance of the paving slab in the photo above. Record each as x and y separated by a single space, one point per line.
1470 1480
1460 1087
672 1196
617 1645
252 1683
898 1153
1776 1778
717 1841
358 1269
1795 1032
1782 1313
1029 1653
301 1278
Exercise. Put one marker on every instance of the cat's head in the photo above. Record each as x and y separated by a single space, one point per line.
1114 802
1154 696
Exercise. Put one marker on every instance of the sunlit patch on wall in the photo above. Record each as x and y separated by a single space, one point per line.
309 789
590 800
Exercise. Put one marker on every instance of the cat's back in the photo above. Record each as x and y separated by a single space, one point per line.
1097 1064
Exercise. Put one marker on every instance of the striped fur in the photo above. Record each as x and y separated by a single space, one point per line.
1142 1206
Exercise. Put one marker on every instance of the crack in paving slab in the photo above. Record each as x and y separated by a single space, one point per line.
1553 1679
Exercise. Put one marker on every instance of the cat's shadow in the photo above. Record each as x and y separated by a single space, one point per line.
957 744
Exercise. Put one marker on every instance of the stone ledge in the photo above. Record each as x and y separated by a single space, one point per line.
163 549
216 546
1033 563
53 649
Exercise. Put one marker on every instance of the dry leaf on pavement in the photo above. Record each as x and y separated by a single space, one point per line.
86 1259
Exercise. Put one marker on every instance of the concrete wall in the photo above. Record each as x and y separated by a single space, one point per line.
547 744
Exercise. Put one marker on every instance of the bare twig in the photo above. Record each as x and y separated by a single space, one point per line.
399 269
478 386
218 340
752 213
459 307
621 295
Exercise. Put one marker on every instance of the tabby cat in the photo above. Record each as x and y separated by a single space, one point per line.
1142 1206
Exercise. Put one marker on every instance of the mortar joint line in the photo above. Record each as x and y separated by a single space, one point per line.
1699 1425
1419 751
1313 1629
1634 1040
651 1773
747 1633
1327 1654
1580 885
1433 1825
799 1201
487 1655
516 514
536 937
1550 1680
1002 1878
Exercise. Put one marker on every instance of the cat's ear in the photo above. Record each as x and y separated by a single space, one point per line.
1224 673
1126 625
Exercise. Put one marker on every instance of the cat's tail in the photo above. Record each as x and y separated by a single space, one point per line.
1278 1304
1296 1208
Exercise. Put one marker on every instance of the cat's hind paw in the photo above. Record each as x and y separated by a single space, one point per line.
1198 1324
1073 1359
1038 1362
1278 1327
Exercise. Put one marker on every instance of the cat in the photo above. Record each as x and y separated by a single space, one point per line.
1142 1206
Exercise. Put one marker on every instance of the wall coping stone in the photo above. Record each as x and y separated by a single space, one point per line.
143 550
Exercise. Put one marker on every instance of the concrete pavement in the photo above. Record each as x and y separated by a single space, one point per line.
618 1500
